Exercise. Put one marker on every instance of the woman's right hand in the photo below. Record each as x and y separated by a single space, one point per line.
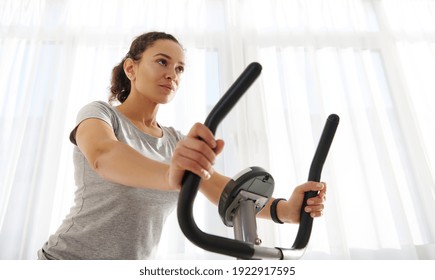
195 153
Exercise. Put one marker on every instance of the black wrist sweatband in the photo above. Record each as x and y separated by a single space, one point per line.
273 213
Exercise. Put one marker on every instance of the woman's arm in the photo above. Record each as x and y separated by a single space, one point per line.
116 161
287 211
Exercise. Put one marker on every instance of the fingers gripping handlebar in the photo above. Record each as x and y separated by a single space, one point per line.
190 185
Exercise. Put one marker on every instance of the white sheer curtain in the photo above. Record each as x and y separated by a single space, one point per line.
370 62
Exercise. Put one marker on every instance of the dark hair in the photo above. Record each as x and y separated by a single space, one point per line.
120 84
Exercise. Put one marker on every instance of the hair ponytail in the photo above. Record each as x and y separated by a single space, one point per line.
120 85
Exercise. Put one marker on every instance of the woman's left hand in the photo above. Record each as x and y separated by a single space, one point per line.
289 211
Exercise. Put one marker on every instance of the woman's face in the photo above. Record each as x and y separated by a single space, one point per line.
157 74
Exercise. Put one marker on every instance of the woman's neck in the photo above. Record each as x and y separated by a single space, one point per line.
142 113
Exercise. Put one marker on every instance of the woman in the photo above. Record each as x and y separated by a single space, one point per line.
128 167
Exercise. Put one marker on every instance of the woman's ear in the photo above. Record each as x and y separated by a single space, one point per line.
129 69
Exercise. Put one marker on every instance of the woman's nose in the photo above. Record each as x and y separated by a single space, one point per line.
171 75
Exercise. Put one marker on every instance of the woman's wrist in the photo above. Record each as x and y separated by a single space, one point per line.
275 209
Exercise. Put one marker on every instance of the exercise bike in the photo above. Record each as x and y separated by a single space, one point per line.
248 192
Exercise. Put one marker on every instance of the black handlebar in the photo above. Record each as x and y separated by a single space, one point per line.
306 222
190 183
233 94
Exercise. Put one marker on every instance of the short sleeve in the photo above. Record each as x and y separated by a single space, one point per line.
95 110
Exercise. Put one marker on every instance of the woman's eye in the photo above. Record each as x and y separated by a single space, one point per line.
180 69
162 62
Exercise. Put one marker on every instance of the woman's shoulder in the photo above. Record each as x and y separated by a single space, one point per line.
98 105
97 108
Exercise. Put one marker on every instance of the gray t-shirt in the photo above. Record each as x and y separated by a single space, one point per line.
109 220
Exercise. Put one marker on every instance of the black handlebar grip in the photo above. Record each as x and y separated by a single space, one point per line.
233 94
306 222
190 183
